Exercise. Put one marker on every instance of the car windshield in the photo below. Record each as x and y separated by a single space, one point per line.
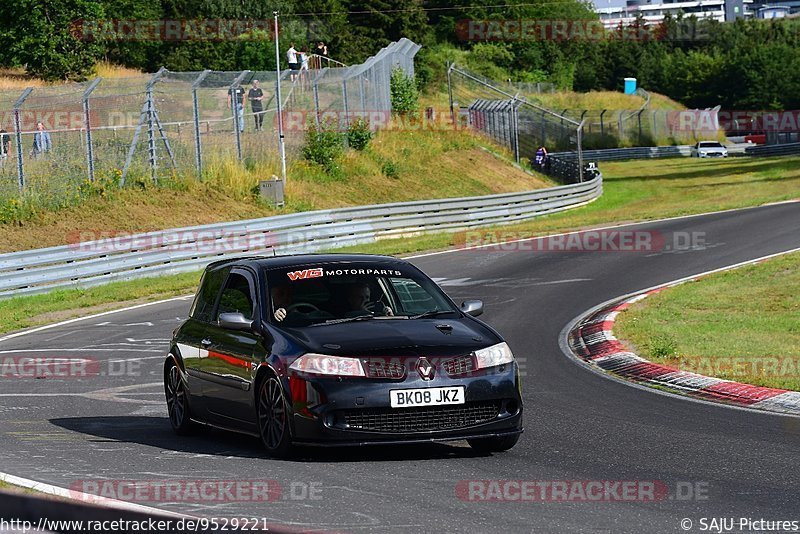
710 144
341 293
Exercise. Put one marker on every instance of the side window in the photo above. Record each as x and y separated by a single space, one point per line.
210 285
413 298
236 297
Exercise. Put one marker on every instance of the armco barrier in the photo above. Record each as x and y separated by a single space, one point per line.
642 152
645 152
773 150
185 249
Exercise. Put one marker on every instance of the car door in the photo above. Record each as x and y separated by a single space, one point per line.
194 338
232 354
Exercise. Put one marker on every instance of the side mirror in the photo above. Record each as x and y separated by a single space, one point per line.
235 321
472 307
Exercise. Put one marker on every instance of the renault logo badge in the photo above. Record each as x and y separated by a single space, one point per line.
425 369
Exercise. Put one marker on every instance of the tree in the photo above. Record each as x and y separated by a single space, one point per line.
45 37
376 23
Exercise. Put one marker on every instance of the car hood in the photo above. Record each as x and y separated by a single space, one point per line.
397 337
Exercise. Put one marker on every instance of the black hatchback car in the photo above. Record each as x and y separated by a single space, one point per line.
339 350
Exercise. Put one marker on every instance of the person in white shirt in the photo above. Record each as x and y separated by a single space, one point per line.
291 58
303 64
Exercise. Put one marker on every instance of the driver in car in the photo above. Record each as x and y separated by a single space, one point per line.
359 300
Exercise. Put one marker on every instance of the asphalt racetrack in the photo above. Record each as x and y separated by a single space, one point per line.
707 461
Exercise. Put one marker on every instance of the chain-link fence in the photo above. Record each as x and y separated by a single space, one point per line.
510 115
644 126
523 127
153 127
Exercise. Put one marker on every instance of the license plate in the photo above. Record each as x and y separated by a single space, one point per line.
407 398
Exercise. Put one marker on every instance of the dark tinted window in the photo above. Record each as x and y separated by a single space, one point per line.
236 297
317 294
203 306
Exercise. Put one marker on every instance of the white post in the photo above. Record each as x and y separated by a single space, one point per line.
281 146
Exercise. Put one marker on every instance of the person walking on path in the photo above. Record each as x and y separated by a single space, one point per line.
255 96
41 140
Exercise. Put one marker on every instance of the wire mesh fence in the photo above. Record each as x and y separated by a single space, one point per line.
511 116
154 127
643 126
526 129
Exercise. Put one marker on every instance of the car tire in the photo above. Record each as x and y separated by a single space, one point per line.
500 444
272 411
177 402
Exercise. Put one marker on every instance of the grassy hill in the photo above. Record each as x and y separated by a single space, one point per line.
398 166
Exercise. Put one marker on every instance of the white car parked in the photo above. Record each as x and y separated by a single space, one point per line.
709 149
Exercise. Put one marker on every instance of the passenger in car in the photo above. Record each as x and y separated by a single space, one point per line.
281 299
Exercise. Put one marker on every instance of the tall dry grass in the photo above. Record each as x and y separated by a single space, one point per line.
105 69
16 79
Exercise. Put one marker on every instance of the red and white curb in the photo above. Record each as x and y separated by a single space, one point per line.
592 340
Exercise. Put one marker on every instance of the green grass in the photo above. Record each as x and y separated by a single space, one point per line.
633 191
422 165
5 486
741 325
61 304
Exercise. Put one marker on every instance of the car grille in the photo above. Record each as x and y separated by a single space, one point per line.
430 418
384 369
460 365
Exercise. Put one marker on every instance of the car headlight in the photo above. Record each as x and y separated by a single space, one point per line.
493 356
322 364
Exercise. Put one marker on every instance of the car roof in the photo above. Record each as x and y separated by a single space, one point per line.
298 260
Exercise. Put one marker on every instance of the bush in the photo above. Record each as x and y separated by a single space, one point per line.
404 93
493 60
390 170
358 134
324 146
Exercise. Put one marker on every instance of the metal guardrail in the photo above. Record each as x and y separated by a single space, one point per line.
187 249
773 150
615 154
647 152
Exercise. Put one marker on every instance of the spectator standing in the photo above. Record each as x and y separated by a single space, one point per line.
5 145
303 63
255 96
41 140
237 93
321 52
541 157
291 58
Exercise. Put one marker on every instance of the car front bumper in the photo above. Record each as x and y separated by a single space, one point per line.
330 411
